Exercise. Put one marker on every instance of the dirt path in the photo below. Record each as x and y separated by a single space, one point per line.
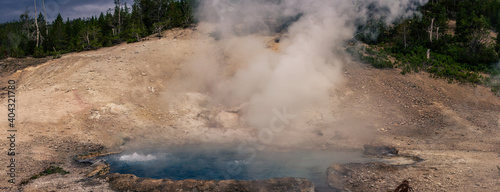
118 97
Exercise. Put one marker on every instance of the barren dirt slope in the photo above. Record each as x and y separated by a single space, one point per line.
454 128
94 98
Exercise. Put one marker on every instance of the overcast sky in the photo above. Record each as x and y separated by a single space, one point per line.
11 9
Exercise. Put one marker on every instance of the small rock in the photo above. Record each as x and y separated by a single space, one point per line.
152 89
99 168
227 119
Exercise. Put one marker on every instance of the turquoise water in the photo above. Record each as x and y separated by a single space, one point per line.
221 163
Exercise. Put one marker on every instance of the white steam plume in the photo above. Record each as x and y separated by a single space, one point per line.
308 65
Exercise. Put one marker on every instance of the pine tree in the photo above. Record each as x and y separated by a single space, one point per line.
26 21
57 34
43 27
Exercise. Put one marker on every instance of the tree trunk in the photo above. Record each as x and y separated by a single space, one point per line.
88 39
404 31
45 13
432 25
36 23
437 33
119 16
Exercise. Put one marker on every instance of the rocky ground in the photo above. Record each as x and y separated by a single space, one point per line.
123 97
454 128
124 182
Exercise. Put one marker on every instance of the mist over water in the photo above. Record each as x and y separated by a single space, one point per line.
236 68
206 162
309 63
135 157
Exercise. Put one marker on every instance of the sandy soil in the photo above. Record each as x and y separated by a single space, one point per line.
119 97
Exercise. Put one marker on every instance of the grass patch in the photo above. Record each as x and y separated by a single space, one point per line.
378 59
50 170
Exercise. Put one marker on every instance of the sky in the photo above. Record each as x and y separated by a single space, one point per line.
10 10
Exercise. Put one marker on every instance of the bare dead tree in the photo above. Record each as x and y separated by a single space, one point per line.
186 9
94 31
86 35
45 13
136 33
111 22
36 24
437 33
42 39
430 32
119 4
119 16
159 28
25 18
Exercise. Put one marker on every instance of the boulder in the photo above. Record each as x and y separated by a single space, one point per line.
99 168
227 119
380 150
336 177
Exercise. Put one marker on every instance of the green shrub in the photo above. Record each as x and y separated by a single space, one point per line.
131 40
56 54
115 40
39 53
3 53
378 59
377 62
17 53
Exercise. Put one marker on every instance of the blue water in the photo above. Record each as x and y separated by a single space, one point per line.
221 163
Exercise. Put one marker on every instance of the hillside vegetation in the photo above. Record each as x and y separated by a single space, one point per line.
122 23
452 39
449 39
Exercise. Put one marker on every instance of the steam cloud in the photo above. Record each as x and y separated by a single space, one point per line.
137 157
308 65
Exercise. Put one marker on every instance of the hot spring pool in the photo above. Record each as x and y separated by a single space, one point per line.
222 163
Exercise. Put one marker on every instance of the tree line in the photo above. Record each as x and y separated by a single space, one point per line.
450 39
32 35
